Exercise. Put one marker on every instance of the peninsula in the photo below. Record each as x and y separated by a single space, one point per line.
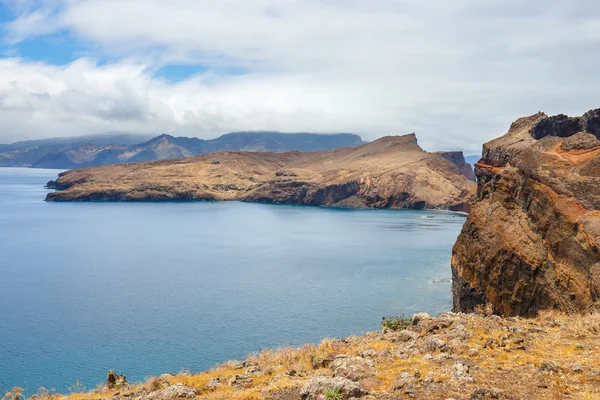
391 172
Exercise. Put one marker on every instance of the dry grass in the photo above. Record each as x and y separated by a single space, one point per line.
565 340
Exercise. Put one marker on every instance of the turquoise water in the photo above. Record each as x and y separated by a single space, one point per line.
149 288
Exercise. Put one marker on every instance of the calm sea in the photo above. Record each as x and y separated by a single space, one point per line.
151 288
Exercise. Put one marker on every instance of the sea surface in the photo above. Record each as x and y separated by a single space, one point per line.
151 288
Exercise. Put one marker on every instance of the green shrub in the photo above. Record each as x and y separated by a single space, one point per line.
334 394
396 323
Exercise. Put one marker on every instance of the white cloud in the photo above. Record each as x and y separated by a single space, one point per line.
457 73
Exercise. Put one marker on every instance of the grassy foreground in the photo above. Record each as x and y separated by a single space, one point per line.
452 356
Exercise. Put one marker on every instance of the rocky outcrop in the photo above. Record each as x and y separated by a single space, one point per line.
457 158
392 172
531 239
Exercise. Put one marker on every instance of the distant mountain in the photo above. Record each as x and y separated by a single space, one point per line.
87 151
28 153
472 159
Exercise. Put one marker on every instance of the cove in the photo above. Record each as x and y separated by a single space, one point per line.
151 288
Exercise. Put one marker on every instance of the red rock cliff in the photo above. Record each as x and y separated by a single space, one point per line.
531 239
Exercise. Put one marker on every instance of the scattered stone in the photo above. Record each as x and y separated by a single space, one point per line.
241 364
323 362
404 383
240 381
420 317
178 391
549 367
576 368
473 352
214 383
319 384
461 372
368 353
491 343
427 357
114 380
433 343
485 394
407 335
353 368
253 370
385 353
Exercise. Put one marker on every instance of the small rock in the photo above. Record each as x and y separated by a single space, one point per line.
549 367
319 384
353 368
404 383
420 317
253 370
385 353
368 353
240 381
461 372
576 368
323 362
178 391
473 352
114 380
407 335
485 394
213 383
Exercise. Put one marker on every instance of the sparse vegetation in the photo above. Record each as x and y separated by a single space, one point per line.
395 323
334 393
14 394
516 356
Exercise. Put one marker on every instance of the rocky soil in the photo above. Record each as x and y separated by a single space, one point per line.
531 239
453 356
392 172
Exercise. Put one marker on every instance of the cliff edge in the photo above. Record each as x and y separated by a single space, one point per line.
531 239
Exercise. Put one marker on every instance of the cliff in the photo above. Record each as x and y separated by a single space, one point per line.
458 159
475 357
531 239
392 172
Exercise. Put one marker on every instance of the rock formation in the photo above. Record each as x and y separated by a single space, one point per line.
531 239
458 159
392 172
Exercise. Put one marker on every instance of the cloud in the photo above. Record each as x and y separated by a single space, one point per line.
457 73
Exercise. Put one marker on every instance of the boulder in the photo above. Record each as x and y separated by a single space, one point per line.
405 383
114 380
354 368
177 391
319 384
420 317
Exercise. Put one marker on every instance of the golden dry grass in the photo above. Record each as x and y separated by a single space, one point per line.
565 340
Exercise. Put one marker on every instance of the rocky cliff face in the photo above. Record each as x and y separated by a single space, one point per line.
531 239
392 172
458 159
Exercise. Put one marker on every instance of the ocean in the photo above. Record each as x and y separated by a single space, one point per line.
152 288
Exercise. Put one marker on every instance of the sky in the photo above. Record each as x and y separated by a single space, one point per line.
456 73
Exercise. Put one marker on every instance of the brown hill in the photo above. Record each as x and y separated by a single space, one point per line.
531 239
392 172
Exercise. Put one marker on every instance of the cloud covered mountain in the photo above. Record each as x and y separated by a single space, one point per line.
87 151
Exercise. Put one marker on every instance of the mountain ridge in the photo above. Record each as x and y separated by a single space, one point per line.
89 151
390 172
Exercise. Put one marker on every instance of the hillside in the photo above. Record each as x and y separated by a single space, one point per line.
392 172
87 151
453 356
